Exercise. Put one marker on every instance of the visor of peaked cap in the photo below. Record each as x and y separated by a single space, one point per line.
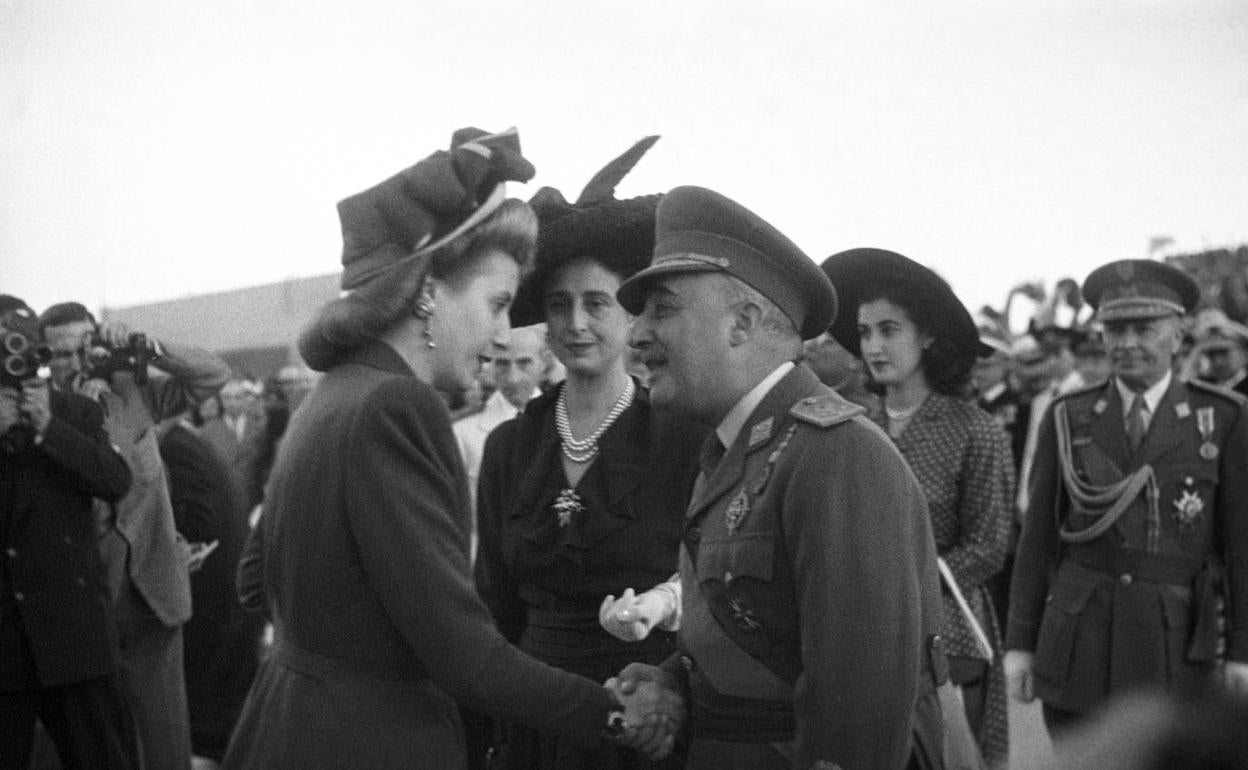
1131 289
421 208
698 230
860 273
618 234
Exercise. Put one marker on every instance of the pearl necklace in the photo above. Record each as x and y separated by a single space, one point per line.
587 448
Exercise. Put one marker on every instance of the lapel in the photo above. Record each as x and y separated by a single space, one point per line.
1165 430
757 433
1109 430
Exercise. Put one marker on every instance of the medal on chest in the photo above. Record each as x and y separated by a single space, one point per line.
1188 505
1204 422
738 509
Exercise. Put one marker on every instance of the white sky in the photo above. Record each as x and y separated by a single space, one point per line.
150 150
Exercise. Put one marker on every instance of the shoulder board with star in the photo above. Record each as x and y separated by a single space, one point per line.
825 411
1217 390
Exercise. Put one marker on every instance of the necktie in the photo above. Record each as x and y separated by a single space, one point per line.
1135 422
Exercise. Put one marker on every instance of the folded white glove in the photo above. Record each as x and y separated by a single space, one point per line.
632 616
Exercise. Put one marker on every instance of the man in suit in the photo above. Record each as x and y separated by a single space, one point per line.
1135 531
810 592
143 556
238 437
221 640
58 644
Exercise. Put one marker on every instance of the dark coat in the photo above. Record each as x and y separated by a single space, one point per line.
829 581
363 549
221 641
1127 609
52 590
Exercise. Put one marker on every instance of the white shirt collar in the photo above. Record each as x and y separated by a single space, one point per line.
1152 396
990 395
734 421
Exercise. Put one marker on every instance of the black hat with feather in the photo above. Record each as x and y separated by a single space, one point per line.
617 234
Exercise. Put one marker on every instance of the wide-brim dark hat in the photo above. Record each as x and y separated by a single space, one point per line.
859 274
618 234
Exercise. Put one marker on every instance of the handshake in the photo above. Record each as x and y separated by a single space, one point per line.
654 710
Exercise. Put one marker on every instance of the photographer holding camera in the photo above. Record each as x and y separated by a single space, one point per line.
146 561
58 641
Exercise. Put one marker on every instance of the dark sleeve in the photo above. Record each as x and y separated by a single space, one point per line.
196 495
986 500
1232 519
495 489
249 579
1038 547
75 439
407 511
859 537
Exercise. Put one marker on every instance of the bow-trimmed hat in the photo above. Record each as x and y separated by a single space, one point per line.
859 273
618 234
1131 289
421 208
698 230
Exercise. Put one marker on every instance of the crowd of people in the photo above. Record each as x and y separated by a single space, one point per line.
627 483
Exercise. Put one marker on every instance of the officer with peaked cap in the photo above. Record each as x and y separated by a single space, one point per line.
1135 530
811 597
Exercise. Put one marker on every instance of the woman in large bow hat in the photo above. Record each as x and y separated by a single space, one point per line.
361 557
583 495
919 343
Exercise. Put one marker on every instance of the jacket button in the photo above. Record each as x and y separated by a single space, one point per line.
1126 579
18 595
11 553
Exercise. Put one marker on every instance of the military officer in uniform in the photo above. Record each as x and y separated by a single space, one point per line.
1136 529
811 599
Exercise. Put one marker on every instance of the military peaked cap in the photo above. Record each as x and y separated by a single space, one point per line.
1139 289
699 231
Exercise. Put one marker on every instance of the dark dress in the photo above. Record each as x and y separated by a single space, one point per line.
544 581
361 559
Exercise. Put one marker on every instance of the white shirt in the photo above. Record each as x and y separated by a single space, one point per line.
1152 398
734 421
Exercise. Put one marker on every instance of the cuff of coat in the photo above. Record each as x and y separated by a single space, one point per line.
1021 636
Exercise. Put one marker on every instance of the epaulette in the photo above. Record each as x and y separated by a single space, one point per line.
1217 390
826 411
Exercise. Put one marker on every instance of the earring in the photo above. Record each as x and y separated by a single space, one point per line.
424 308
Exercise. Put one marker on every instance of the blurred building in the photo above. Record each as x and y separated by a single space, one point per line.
254 329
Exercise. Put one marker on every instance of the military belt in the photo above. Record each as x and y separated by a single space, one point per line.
740 720
1140 565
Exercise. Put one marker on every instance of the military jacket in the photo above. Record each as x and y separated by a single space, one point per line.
811 589
1128 598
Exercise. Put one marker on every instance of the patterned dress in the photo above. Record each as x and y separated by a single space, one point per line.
963 462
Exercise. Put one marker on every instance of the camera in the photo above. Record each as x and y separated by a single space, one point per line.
101 360
24 354
20 344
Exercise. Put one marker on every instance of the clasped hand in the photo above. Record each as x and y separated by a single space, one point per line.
654 710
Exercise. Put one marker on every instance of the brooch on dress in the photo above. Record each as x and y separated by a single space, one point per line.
1187 506
567 504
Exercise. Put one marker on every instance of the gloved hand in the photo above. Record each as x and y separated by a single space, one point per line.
1018 677
632 616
